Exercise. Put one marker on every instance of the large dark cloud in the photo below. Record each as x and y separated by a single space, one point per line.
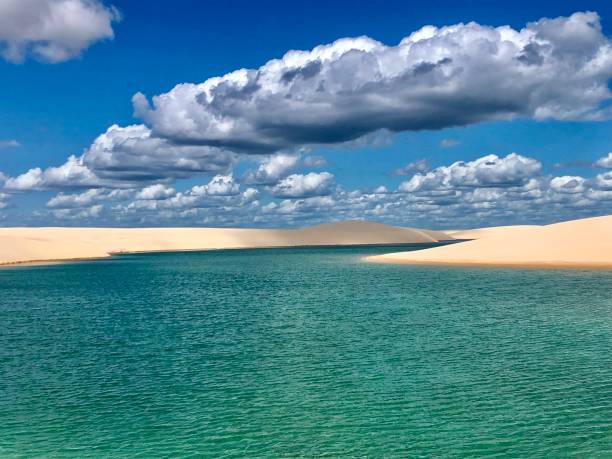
435 78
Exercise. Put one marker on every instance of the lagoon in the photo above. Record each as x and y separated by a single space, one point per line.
303 352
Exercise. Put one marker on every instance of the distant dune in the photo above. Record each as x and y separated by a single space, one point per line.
583 243
19 245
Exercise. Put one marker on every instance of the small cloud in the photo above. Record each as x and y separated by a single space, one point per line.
155 192
9 143
304 186
53 30
375 139
272 169
580 163
315 161
449 143
606 161
381 190
420 165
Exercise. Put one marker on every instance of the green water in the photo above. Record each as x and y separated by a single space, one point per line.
302 353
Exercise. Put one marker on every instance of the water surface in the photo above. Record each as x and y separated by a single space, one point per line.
302 353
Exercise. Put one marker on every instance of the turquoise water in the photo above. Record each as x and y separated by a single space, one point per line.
302 353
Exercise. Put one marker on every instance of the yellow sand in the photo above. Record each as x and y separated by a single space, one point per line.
18 245
583 243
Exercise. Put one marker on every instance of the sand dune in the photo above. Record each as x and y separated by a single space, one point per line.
18 245
583 243
479 233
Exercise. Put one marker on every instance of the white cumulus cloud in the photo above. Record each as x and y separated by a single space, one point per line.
53 30
434 78
72 174
125 157
272 169
568 184
220 185
606 161
300 186
157 191
87 198
420 165
488 171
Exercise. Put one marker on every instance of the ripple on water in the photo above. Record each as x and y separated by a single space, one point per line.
303 352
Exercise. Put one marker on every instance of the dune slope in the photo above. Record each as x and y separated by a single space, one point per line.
585 243
18 245
480 233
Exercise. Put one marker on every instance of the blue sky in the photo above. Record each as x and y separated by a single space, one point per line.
56 105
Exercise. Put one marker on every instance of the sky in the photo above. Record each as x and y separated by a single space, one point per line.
439 114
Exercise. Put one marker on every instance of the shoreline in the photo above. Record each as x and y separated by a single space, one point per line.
552 265
59 261
146 252
40 246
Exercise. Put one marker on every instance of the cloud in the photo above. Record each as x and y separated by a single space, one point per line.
352 92
299 207
157 191
315 161
249 195
79 214
604 181
375 139
132 153
448 143
342 93
3 198
606 161
53 30
434 78
301 186
9 144
272 169
488 171
381 190
72 174
87 198
126 157
220 185
579 163
420 165
486 191
568 184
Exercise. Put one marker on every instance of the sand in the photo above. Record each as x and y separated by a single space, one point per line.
479 233
21 245
585 243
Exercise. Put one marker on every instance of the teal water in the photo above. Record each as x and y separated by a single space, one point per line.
302 353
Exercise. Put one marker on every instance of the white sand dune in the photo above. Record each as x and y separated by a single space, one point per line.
585 243
19 245
479 233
